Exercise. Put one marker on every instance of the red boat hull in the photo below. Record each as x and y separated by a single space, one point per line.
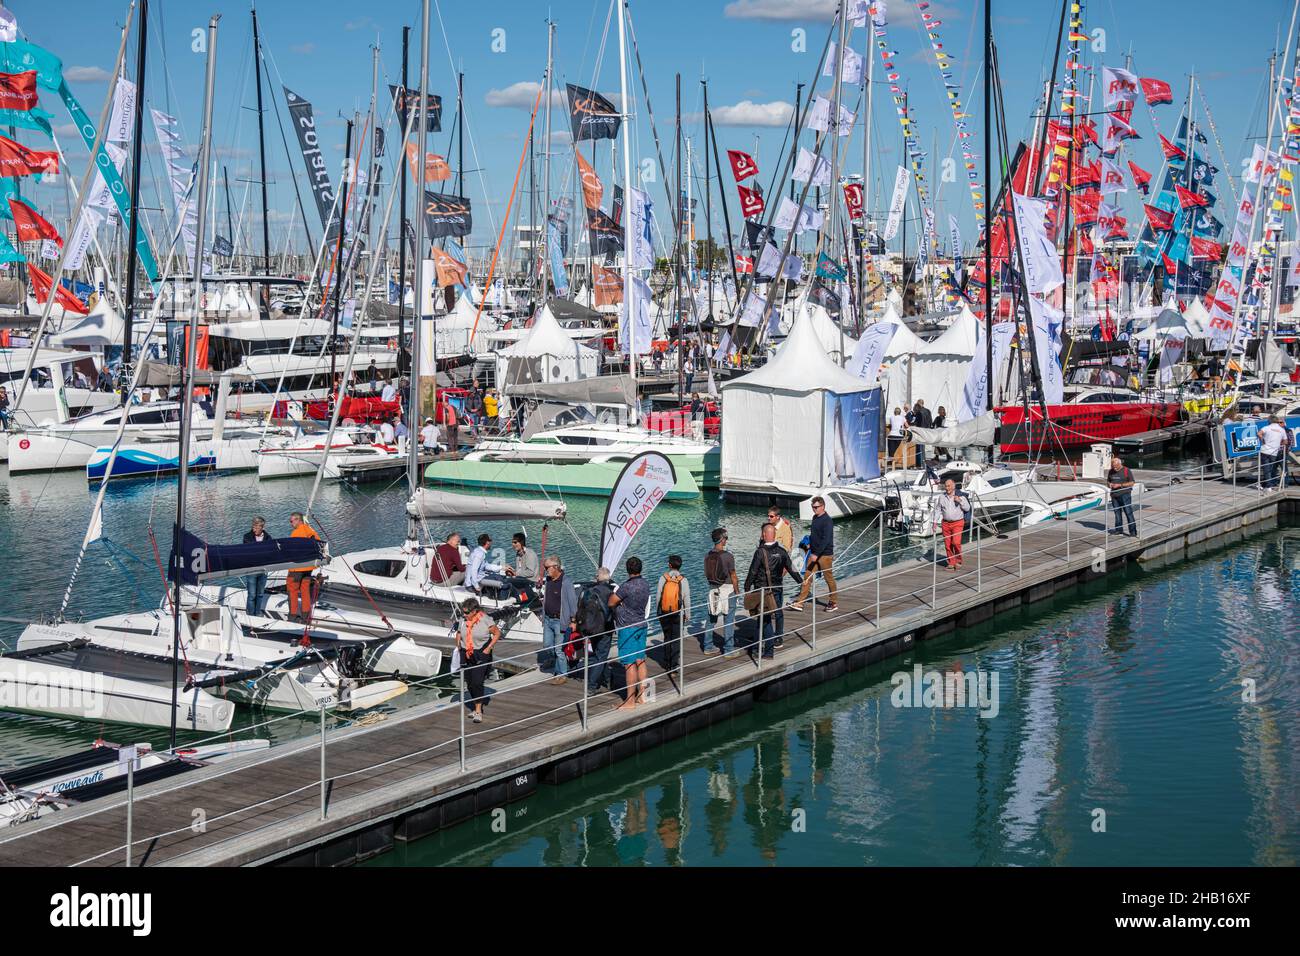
1078 426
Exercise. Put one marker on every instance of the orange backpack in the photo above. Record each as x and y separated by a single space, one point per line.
670 599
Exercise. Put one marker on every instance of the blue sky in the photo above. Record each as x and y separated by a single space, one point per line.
746 49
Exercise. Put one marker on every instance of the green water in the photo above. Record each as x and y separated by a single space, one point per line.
1121 738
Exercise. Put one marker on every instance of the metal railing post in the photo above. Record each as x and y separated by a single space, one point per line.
812 596
1020 550
934 569
587 648
762 608
463 704
880 564
1067 532
1139 504
979 556
681 652
322 760
130 806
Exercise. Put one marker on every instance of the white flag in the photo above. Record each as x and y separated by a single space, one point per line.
791 215
769 261
121 123
81 239
1118 86
793 268
1047 337
896 203
1002 333
634 319
974 394
954 237
851 71
819 115
1038 254
870 351
1171 353
99 197
49 249
1112 178
8 26
752 313
811 165
1293 274
641 211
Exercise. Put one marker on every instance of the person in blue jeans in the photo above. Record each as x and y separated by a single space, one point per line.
630 602
720 573
596 624
559 613
770 564
255 584
1120 480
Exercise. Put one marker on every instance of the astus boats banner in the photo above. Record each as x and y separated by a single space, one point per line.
645 481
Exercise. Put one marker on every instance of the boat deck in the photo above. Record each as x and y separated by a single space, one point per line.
354 792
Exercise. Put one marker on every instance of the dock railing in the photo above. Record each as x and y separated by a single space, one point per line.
1092 535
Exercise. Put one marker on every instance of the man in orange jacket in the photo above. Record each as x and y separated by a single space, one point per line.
299 583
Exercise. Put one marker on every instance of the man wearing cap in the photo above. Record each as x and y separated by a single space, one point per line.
429 435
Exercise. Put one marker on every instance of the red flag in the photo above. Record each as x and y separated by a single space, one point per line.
1085 242
1116 228
1158 218
751 202
1086 174
17 160
1188 199
1206 248
1172 151
1124 110
1170 266
608 286
1085 131
1156 91
41 284
742 164
853 199
745 265
1141 178
32 226
18 90
1085 205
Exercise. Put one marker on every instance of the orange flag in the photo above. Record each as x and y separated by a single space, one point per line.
435 166
41 284
450 272
592 188
608 286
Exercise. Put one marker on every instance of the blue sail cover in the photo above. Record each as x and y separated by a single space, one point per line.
199 561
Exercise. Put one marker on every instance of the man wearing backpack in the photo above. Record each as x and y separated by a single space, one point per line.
673 600
559 612
596 623
720 574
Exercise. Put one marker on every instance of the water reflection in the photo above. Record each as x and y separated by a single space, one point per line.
1119 701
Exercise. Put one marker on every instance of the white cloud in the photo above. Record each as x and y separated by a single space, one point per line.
522 95
781 9
87 74
749 113
303 48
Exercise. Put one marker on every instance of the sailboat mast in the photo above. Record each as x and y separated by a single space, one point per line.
460 134
264 302
417 379
832 218
677 246
864 237
132 255
627 203
191 344
230 219
546 167
401 235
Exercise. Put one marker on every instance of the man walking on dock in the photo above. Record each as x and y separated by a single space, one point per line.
821 551
1120 480
630 602
766 568
559 614
950 510
299 582
720 573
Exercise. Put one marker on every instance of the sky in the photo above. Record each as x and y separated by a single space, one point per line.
752 53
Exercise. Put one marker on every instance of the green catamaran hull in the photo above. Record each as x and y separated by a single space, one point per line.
579 478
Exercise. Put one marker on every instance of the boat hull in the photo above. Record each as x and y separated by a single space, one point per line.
1080 426
594 478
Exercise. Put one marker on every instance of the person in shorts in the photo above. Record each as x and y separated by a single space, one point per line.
629 603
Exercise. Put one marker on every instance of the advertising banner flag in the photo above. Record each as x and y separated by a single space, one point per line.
896 203
645 481
446 215
406 99
592 115
318 177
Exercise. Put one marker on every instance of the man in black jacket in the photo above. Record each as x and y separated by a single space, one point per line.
769 563
255 584
821 551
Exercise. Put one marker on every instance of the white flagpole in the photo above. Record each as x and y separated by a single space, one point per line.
627 207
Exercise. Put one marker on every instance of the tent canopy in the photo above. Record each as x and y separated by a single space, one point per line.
801 365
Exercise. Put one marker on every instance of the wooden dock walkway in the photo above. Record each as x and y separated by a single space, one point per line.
429 767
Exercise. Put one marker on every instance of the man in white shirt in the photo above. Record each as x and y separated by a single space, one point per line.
390 391
429 434
386 433
897 425
1273 441
950 510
